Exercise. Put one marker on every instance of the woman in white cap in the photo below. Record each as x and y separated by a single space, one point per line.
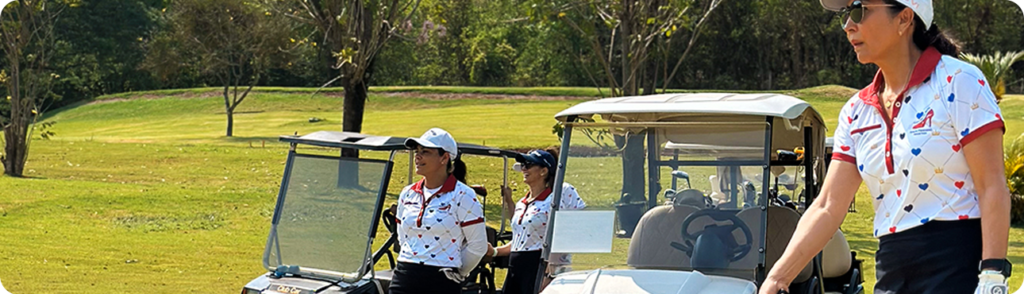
441 227
530 221
926 138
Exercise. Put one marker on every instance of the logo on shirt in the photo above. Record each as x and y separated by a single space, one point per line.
923 125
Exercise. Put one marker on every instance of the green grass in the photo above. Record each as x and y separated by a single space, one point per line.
142 192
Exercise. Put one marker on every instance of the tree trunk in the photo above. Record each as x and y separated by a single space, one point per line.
16 149
16 132
230 112
352 121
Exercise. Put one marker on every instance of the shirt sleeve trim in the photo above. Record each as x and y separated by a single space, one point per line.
994 125
844 157
472 222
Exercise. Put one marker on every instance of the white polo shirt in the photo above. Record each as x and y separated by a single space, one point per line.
530 221
430 226
913 164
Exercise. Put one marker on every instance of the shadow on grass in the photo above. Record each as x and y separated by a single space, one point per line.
253 139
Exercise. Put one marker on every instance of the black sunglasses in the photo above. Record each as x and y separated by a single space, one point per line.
855 11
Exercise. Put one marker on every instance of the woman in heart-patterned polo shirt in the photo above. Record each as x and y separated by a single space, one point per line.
440 221
926 138
530 222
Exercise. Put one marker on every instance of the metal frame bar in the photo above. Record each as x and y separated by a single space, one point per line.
760 273
563 157
272 238
653 177
648 124
382 192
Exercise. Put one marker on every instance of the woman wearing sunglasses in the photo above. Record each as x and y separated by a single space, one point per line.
530 220
925 137
440 222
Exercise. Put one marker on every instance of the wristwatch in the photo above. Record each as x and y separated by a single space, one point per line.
1002 265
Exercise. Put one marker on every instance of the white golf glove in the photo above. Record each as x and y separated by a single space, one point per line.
455 276
991 282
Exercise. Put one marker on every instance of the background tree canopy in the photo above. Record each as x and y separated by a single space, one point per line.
101 46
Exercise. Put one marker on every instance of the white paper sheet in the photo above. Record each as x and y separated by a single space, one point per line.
583 232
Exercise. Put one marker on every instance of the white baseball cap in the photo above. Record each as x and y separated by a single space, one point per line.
435 138
923 8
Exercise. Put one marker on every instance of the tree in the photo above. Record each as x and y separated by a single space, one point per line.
27 42
628 39
996 68
353 33
230 40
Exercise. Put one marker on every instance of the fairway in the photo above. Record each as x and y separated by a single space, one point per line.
142 193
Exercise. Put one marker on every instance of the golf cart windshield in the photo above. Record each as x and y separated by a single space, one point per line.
326 210
707 216
685 182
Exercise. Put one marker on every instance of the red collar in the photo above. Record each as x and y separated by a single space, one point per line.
924 68
543 195
449 185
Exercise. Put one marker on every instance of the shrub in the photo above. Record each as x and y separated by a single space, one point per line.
1013 158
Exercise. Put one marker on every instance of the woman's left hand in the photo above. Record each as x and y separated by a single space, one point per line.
991 283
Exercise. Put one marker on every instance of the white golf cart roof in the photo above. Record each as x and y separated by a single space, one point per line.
655 107
379 143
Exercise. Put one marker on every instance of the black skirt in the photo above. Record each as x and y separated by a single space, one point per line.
522 272
412 278
938 257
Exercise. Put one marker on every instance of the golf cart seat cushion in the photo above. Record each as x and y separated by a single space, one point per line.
780 227
479 190
835 257
650 246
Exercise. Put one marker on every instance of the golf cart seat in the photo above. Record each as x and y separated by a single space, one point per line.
480 190
835 257
650 246
781 225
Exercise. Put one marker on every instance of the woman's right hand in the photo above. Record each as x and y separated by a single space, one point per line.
773 286
506 195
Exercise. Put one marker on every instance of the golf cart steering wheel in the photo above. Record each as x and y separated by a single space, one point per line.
718 215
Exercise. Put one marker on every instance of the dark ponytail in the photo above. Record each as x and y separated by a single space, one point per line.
457 168
549 180
932 37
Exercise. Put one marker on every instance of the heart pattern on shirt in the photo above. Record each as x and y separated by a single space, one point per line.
956 148
959 184
951 97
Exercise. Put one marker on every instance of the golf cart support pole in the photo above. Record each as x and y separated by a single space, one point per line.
504 183
272 239
653 188
810 197
382 192
563 156
766 175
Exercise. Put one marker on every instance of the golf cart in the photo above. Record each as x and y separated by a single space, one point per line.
323 235
722 235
